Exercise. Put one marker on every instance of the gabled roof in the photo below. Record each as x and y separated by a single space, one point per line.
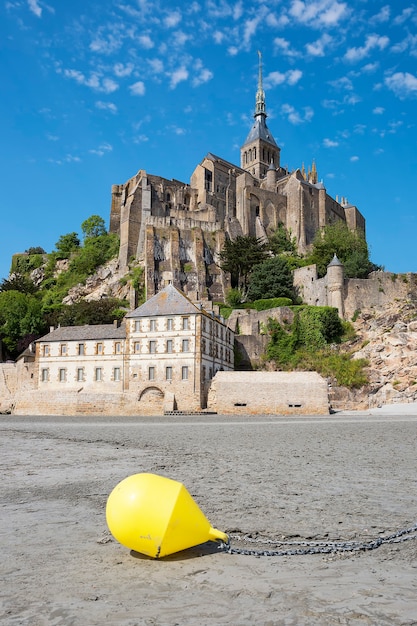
168 301
82 333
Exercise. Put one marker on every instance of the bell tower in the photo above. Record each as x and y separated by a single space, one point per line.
260 151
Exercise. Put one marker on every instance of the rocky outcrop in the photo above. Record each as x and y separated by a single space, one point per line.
387 338
105 283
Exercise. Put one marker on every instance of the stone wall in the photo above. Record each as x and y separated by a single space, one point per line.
277 393
358 294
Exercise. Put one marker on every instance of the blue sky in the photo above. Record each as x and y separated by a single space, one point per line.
94 91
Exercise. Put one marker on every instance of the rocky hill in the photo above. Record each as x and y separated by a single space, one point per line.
387 338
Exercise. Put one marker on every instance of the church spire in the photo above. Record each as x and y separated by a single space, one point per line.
260 94
260 149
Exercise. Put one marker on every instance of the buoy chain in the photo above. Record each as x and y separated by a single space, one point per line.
316 547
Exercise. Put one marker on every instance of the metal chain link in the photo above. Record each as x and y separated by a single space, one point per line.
316 547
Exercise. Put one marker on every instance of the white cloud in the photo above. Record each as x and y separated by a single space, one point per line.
106 106
319 13
382 16
145 42
140 139
52 137
35 8
277 78
293 76
177 130
137 89
409 43
123 70
109 85
354 158
102 149
372 42
106 44
180 38
238 10
218 36
250 29
370 67
277 22
172 19
95 81
329 143
318 48
344 83
297 117
203 77
156 65
403 84
232 50
404 15
178 75
378 110
284 47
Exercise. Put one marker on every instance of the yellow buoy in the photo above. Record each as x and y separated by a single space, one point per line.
157 516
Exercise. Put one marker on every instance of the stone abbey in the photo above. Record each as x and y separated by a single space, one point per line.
177 230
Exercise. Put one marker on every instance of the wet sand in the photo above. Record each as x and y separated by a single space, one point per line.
339 477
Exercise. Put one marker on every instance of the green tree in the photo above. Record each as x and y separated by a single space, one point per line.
280 241
66 245
35 250
349 246
271 279
103 311
240 256
20 315
93 226
18 282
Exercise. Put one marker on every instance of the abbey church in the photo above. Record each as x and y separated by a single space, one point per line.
177 230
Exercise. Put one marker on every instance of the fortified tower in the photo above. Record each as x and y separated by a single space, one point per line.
260 149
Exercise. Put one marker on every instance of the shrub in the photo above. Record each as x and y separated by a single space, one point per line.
270 303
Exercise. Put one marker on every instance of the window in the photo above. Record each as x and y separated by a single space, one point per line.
151 373
62 374
152 325
45 374
168 373
136 347
184 372
152 347
45 350
185 323
169 347
170 323
204 323
203 345
99 348
137 326
116 374
185 345
80 374
63 349
81 350
98 374
204 373
117 347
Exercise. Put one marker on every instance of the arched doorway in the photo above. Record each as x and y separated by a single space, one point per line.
151 401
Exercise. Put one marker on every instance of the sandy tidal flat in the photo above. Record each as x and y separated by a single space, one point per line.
339 477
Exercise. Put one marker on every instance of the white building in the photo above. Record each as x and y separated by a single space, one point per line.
163 356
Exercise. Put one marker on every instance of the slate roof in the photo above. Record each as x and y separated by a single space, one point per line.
260 130
168 301
82 333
